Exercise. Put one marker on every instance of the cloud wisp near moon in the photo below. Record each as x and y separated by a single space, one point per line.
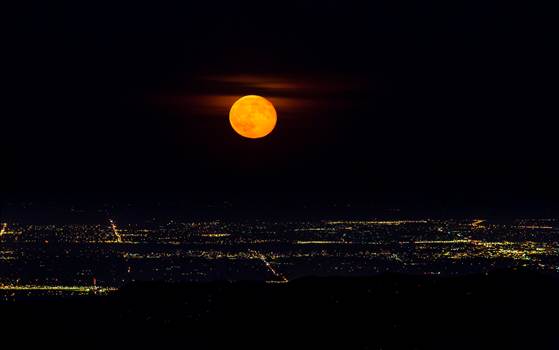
214 95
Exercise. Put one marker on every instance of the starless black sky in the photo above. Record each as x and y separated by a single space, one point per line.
392 102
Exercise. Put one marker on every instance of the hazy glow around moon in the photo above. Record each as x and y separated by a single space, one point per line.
253 116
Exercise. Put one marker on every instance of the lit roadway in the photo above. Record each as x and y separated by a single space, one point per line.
3 230
115 231
262 257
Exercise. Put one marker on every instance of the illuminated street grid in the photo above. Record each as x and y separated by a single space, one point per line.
85 259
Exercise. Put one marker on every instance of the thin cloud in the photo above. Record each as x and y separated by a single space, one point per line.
214 95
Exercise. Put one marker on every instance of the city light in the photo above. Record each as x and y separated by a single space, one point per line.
267 251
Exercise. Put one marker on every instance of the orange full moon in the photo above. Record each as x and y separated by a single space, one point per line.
253 116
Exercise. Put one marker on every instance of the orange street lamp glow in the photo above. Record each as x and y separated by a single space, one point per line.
253 116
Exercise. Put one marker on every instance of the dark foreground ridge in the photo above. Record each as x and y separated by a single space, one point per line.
501 310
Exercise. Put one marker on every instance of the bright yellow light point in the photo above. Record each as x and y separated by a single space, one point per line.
253 116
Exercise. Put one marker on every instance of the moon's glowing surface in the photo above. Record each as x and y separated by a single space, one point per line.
253 116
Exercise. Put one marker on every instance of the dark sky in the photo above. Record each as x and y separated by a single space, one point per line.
449 103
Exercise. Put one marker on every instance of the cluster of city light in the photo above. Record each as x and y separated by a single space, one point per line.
536 227
54 288
377 222
477 223
275 251
215 235
452 241
322 242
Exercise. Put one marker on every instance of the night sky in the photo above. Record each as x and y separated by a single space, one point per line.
446 104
